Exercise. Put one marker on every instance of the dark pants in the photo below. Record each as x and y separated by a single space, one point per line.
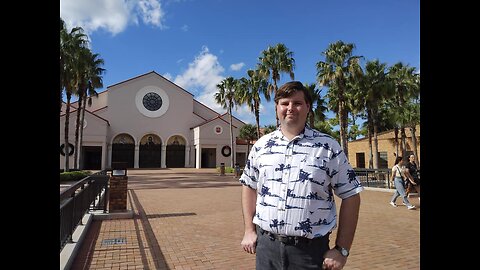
273 254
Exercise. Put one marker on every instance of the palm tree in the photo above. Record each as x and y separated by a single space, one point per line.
406 86
80 77
268 129
376 89
412 116
317 108
339 67
249 133
94 81
275 60
226 98
70 45
250 90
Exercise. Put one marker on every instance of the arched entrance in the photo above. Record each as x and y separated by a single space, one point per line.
176 152
150 151
123 149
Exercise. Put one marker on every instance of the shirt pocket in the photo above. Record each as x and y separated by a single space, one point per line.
314 171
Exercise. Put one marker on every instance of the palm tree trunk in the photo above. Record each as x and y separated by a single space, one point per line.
414 143
404 143
395 131
257 119
232 152
343 128
375 146
77 129
275 88
369 134
66 143
370 161
82 121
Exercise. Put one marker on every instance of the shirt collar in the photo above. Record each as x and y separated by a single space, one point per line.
307 131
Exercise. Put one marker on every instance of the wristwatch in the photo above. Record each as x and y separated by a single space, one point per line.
342 250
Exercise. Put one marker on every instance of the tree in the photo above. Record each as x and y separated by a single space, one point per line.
339 67
406 87
226 97
250 90
375 89
268 129
249 133
70 46
94 81
273 61
317 108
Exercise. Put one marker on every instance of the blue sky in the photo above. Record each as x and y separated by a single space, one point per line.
198 43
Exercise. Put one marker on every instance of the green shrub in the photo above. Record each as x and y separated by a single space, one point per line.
74 176
227 170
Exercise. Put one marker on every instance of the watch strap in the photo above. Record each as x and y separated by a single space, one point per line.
342 250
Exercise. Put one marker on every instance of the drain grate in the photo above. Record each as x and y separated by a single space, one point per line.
114 241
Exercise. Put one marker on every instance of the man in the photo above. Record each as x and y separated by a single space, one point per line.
414 184
287 196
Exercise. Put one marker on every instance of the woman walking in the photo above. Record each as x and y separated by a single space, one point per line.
398 174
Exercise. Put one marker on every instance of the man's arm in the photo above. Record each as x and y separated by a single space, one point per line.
347 224
409 176
249 200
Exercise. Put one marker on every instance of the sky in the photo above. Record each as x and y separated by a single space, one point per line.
198 43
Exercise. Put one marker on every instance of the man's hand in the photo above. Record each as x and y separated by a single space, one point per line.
249 242
333 260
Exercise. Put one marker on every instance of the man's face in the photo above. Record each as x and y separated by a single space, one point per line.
293 110
411 158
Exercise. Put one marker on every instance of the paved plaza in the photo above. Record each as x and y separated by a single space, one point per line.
192 219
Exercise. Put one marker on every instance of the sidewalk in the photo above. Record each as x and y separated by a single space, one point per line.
192 219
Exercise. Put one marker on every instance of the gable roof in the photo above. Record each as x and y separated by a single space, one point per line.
215 118
74 109
146 74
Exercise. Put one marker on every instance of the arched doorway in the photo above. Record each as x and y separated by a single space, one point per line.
176 152
123 149
150 151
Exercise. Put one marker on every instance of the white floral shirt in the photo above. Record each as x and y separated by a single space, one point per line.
295 182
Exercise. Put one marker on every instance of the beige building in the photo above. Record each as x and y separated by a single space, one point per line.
359 151
150 122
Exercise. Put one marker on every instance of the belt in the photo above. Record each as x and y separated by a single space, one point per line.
293 240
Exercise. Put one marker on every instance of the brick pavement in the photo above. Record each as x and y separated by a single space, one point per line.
192 219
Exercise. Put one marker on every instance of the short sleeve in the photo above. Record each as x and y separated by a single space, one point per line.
343 178
249 176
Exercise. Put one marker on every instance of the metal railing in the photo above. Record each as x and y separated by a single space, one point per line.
378 178
89 193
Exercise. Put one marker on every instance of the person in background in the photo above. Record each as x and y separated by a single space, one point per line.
289 182
414 183
399 173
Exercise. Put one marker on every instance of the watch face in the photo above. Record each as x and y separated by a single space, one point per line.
343 251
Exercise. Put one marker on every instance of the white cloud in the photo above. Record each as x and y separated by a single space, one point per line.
110 15
236 67
204 73
184 28
168 76
152 13
201 79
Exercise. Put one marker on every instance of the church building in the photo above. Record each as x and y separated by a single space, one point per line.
150 122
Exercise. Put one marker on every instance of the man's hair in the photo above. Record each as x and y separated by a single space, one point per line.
291 88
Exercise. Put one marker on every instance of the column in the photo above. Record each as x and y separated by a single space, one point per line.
198 157
164 156
187 156
136 156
